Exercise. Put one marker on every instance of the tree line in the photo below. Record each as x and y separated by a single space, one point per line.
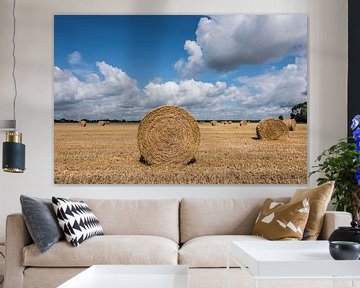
298 112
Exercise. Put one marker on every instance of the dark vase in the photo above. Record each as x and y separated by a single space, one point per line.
343 250
350 234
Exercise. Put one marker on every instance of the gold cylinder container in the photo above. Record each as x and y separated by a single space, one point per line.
14 136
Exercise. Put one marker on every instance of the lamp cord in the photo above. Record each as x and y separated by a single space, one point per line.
14 60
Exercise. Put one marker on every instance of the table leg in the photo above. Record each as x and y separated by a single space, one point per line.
355 283
228 270
255 283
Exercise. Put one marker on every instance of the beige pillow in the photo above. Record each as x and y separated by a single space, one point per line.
279 221
319 198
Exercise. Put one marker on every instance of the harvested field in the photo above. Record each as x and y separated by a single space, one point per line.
228 154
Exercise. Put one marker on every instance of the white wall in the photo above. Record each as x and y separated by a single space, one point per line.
327 89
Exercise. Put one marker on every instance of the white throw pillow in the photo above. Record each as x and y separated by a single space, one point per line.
76 220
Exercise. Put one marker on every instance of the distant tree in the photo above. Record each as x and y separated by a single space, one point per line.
299 112
281 117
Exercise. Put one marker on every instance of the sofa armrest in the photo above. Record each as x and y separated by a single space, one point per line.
17 237
333 220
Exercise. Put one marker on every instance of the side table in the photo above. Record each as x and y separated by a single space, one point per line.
293 264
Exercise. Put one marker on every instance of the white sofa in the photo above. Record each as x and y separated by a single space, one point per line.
194 232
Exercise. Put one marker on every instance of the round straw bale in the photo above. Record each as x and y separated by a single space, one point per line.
82 123
102 123
290 123
271 129
243 123
213 123
168 135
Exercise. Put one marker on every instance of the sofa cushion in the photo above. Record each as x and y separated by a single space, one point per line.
211 251
201 217
319 198
107 249
158 217
41 221
76 220
279 221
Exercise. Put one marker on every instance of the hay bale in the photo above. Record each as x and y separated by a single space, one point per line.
168 135
290 123
243 123
102 123
108 122
82 123
213 123
229 122
271 129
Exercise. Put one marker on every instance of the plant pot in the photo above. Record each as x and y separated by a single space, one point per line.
350 234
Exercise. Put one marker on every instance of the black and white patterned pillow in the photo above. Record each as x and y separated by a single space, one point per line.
77 220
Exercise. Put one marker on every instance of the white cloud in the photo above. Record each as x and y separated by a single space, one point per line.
268 95
188 93
74 58
113 94
227 42
279 88
193 64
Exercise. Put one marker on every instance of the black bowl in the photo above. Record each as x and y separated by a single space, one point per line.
344 250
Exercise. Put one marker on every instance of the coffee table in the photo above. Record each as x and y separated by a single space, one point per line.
293 260
131 276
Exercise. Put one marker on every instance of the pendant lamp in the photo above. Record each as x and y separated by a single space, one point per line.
13 160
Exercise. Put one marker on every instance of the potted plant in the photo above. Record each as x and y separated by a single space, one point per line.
341 163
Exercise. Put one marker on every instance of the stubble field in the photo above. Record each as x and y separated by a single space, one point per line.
228 154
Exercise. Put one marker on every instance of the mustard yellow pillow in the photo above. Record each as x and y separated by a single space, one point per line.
319 198
279 221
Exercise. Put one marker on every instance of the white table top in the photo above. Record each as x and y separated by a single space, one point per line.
131 276
291 259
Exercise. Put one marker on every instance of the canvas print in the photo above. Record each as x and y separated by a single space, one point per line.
180 99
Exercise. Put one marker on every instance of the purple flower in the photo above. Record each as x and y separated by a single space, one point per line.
356 134
357 147
355 122
357 176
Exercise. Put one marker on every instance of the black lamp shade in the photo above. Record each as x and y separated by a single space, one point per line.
13 157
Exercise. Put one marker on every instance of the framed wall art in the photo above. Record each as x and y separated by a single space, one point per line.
180 99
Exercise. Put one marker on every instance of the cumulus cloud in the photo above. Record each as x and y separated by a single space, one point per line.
188 93
227 42
256 97
278 88
74 58
191 66
112 93
205 100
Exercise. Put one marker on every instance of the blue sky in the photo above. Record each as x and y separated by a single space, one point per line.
143 46
225 67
